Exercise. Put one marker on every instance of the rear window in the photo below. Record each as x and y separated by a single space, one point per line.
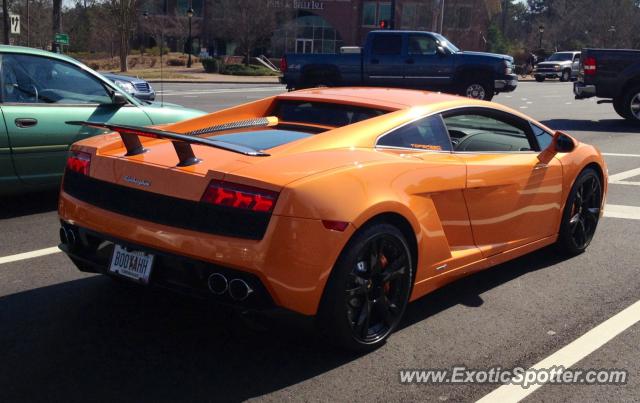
262 139
322 113
387 45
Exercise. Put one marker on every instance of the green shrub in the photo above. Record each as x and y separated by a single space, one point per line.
212 65
251 70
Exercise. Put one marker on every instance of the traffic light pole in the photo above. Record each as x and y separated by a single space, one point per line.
392 17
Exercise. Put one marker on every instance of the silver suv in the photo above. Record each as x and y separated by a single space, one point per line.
562 65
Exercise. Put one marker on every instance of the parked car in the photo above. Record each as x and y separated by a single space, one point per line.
341 203
40 91
614 75
136 87
562 65
405 59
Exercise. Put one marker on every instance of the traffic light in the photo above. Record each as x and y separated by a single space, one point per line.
384 24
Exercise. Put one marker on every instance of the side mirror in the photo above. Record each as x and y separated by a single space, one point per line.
441 51
561 143
118 99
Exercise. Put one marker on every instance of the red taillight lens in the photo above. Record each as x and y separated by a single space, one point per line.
79 162
245 197
283 64
590 66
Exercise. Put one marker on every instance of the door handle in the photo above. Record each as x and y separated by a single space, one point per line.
26 122
375 61
409 61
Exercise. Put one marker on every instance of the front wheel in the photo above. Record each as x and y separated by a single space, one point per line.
565 76
477 89
539 79
368 290
581 213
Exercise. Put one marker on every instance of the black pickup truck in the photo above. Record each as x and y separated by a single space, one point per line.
614 75
405 59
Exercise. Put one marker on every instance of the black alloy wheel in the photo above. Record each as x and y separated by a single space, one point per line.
582 213
369 289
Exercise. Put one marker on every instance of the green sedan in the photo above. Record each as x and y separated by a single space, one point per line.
40 92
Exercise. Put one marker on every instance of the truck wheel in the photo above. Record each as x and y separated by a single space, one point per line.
565 76
539 79
478 89
631 104
618 106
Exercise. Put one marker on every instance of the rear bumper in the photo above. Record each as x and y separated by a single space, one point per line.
292 261
582 90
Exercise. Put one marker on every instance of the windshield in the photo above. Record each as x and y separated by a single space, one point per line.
445 43
560 57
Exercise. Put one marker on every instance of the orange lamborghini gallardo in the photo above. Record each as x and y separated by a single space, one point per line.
344 204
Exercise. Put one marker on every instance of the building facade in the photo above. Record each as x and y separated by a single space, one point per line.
323 26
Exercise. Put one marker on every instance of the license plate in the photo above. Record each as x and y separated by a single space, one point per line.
135 265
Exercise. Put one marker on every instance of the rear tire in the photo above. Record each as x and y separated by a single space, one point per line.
581 213
368 290
630 104
619 108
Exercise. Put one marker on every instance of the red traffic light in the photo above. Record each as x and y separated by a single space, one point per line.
384 24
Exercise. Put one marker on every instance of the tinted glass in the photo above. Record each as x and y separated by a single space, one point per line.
475 132
324 114
34 79
262 139
542 137
422 45
387 44
424 134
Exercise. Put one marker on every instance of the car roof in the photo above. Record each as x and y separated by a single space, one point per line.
36 52
377 97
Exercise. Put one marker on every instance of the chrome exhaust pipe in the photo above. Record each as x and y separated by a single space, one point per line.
63 236
217 283
239 290
70 237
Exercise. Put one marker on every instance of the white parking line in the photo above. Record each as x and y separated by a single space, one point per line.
29 255
619 177
620 155
617 211
571 353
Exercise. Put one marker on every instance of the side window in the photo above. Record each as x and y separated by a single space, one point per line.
425 134
576 58
422 45
34 79
387 45
542 137
477 132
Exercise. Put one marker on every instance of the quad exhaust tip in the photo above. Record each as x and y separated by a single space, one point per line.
239 290
68 237
218 283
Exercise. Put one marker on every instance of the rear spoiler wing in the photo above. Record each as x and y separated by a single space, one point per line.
130 136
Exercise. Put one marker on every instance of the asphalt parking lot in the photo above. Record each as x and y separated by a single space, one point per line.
68 336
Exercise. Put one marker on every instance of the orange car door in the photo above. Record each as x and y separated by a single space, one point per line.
512 198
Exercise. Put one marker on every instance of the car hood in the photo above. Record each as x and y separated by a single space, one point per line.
487 56
119 77
161 113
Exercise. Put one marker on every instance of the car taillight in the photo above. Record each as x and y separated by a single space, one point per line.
234 195
283 64
79 162
590 66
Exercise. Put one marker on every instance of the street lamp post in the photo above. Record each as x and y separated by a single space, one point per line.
190 16
540 31
612 31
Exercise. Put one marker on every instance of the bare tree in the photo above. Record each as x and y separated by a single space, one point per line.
248 23
5 18
124 12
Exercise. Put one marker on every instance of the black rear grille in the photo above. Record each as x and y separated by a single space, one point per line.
142 87
166 210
